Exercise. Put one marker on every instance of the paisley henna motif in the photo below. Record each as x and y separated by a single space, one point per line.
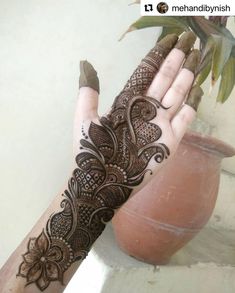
113 159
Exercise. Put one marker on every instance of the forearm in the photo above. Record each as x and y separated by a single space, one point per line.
10 279
53 250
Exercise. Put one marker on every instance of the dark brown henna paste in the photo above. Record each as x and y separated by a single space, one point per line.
113 159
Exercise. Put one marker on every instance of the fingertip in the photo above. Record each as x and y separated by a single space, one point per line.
192 61
88 76
167 43
186 42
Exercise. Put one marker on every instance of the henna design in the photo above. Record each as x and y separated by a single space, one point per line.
113 159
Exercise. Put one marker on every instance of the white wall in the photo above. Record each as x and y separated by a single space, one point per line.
41 44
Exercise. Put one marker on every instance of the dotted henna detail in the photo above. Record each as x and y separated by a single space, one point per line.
113 160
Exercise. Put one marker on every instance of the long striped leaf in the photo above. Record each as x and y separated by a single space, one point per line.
227 80
201 77
223 47
151 21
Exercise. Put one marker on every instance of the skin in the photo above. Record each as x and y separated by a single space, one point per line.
176 109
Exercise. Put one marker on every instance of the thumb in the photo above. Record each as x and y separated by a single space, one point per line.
87 103
88 94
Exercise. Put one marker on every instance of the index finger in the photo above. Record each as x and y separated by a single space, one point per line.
142 77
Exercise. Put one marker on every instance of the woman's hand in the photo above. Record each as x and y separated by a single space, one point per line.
115 155
146 122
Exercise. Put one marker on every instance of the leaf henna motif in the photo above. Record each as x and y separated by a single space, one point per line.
113 159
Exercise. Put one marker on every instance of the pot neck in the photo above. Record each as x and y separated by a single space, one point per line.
209 144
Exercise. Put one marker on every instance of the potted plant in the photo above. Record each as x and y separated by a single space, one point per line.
174 207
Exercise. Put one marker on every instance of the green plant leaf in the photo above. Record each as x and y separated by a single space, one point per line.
222 51
201 77
152 21
233 51
170 30
169 21
216 51
204 28
207 53
227 80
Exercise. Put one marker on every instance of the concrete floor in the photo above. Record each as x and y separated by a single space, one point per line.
205 265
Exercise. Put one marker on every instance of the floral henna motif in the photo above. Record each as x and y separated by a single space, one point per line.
113 159
45 260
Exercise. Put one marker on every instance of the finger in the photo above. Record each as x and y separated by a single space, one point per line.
87 105
145 72
176 95
170 67
187 113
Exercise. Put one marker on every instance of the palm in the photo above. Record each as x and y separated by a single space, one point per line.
140 131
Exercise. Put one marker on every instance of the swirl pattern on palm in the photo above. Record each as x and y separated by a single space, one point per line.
113 159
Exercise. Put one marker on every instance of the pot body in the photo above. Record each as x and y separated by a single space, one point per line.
174 206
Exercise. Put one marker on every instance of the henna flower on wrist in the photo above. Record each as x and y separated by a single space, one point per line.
44 262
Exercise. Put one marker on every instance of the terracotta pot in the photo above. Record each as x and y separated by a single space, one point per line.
173 208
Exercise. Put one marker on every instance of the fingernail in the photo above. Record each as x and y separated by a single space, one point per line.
186 42
88 76
194 97
192 61
167 43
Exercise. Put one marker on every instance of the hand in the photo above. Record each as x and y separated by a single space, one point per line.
116 154
146 122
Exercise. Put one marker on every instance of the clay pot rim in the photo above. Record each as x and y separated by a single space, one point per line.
209 143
